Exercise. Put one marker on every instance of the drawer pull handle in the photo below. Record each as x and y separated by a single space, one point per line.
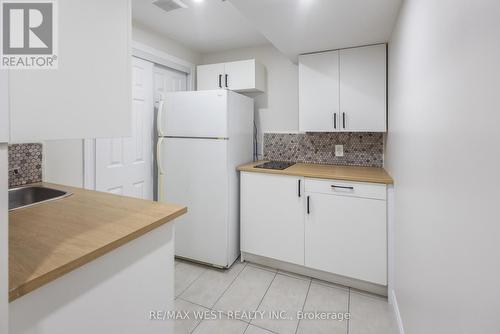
300 195
342 187
308 206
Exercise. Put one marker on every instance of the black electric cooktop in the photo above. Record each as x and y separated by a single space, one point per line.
280 165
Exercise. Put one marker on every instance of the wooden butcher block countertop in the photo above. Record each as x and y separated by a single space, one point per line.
346 173
50 239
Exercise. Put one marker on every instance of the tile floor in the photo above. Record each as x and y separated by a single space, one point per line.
249 287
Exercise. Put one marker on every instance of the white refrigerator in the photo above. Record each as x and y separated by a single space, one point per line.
202 137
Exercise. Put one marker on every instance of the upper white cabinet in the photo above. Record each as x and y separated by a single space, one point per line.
363 88
90 93
4 107
272 216
240 76
210 77
343 90
319 91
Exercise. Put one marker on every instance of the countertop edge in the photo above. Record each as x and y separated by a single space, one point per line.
48 277
250 167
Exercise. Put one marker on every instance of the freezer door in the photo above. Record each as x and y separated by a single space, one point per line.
195 175
195 114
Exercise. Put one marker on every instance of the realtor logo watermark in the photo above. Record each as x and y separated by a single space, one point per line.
29 34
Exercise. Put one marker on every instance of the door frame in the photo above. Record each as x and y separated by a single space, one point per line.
157 57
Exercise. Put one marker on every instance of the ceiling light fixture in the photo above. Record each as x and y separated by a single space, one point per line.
169 5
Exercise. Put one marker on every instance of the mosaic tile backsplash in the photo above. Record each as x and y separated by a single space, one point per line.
25 164
360 148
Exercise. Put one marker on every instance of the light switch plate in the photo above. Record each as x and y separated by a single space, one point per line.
339 150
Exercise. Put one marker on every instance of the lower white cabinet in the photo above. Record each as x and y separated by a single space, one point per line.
272 216
345 232
333 226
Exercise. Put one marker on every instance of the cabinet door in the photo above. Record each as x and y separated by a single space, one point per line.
90 93
210 77
346 235
4 107
319 92
363 88
240 75
272 216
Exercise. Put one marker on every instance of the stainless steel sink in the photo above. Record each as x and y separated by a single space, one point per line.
31 195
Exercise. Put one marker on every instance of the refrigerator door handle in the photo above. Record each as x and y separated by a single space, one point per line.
160 168
159 117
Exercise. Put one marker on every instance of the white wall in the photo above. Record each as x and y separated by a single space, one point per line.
4 238
442 150
163 43
277 109
63 162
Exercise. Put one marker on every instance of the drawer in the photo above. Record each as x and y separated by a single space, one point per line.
347 188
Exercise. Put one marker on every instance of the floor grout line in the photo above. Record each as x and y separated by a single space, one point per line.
199 322
267 290
266 329
212 308
304 304
227 288
264 296
183 299
189 285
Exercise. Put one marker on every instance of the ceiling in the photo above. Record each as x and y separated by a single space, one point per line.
205 26
292 26
302 26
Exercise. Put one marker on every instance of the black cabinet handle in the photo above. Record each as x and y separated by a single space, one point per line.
343 120
300 195
334 120
308 206
342 187
226 81
220 80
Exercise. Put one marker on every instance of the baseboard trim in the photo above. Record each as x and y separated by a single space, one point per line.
318 274
395 308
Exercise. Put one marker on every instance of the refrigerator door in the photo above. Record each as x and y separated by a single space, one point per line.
195 114
195 175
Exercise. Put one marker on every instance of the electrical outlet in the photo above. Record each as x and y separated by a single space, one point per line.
339 150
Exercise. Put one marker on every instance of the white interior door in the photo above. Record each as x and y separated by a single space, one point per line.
124 166
164 80
167 80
